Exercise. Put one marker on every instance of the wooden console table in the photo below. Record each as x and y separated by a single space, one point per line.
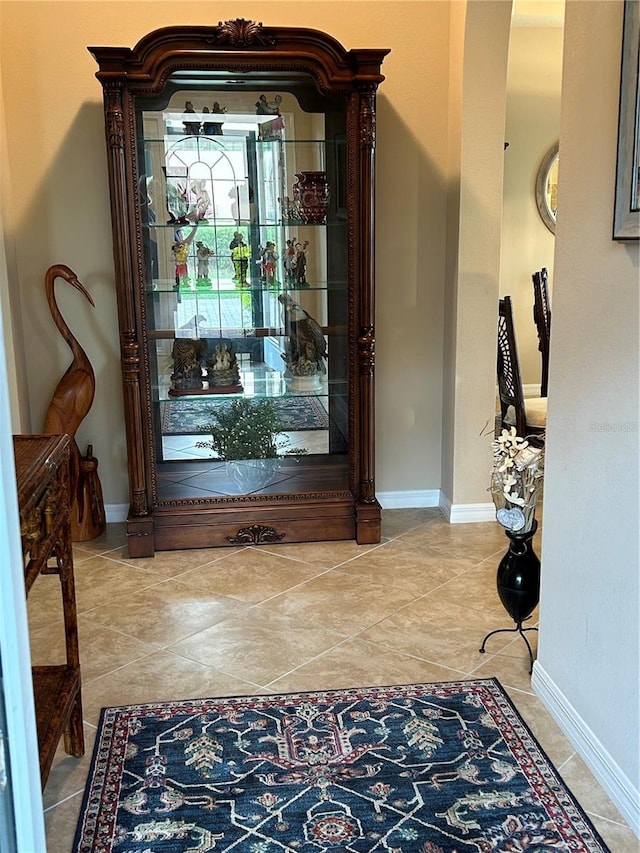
42 470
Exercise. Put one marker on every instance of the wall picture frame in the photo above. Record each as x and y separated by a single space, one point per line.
626 219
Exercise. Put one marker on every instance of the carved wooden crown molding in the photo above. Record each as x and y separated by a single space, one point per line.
240 33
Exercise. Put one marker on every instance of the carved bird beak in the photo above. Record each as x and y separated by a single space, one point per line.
75 281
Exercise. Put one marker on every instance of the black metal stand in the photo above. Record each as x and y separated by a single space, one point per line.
520 630
518 584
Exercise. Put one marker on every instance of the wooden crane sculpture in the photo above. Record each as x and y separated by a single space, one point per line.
69 404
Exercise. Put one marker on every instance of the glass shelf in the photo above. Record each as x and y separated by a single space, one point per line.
229 136
168 286
272 387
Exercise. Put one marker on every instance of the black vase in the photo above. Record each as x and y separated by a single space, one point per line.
518 578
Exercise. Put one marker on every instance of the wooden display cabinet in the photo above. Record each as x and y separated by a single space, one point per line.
42 472
268 134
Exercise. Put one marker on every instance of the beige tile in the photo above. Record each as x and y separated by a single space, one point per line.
102 649
68 775
80 554
357 663
166 612
618 837
259 646
161 677
250 575
543 727
441 559
338 600
438 631
60 824
395 522
114 536
47 643
327 554
398 566
475 541
510 665
44 603
100 581
587 791
169 564
477 588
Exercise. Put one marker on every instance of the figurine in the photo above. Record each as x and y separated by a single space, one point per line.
222 367
268 108
213 128
180 250
290 260
187 369
301 262
198 212
191 128
203 253
70 403
240 254
289 208
307 345
177 204
269 259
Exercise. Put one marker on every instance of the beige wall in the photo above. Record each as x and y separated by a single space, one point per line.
589 649
474 256
532 126
59 208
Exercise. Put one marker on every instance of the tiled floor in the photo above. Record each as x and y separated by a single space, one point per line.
294 617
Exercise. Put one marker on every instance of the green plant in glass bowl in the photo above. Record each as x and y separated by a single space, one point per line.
248 429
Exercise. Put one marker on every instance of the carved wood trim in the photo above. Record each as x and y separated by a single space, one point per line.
256 534
367 351
367 119
252 500
240 33
114 121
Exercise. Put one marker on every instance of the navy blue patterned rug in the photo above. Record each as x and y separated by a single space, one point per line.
184 416
425 768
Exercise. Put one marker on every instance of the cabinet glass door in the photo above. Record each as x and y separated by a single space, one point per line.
246 283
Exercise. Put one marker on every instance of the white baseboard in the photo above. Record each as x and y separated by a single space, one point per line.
388 500
612 779
467 513
116 512
409 499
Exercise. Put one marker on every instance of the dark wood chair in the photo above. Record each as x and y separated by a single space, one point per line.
542 319
529 416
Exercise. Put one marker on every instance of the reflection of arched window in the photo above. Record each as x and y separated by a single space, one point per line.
206 180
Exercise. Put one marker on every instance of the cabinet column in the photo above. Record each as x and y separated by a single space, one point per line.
367 509
140 525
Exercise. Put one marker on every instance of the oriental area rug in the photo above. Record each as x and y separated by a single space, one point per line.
423 768
192 417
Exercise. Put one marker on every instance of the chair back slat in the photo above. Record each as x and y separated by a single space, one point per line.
508 368
542 319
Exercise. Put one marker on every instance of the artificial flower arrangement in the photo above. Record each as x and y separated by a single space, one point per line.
248 430
516 480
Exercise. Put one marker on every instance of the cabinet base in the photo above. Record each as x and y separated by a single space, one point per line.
368 523
140 538
317 521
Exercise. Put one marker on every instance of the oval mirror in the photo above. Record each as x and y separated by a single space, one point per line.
547 188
